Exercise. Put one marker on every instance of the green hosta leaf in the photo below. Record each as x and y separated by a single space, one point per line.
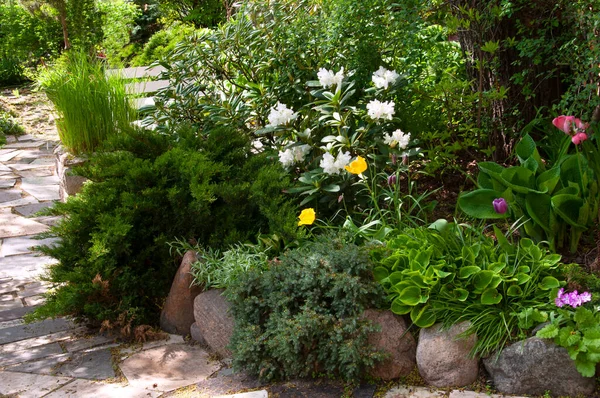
549 282
478 203
482 279
531 164
497 267
524 269
586 368
571 167
548 332
410 296
396 277
422 316
466 272
522 278
485 181
490 297
380 273
399 308
419 281
567 207
460 294
539 208
496 280
514 291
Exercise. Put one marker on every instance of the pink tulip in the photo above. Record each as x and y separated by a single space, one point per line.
569 124
579 138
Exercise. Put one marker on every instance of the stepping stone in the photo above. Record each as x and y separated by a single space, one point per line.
414 392
252 394
28 331
6 183
12 225
42 181
23 167
9 195
22 160
26 137
5 151
45 161
91 389
33 289
29 210
473 394
15 314
42 340
42 188
9 302
3 168
23 245
37 153
19 202
28 266
8 175
30 354
48 220
34 300
41 172
5 157
26 385
169 367
28 144
87 342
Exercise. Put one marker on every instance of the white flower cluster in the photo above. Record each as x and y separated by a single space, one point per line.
380 110
397 138
280 114
293 155
335 165
327 78
382 78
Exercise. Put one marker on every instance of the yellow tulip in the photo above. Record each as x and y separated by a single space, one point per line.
357 166
307 217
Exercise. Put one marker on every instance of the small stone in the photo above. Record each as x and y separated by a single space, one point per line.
211 311
534 366
251 394
401 351
177 314
443 359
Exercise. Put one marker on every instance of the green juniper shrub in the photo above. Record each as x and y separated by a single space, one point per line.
301 315
114 265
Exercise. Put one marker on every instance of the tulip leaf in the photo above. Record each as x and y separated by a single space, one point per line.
568 207
548 180
525 148
478 203
520 179
539 207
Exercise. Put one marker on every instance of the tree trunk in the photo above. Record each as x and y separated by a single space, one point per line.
63 23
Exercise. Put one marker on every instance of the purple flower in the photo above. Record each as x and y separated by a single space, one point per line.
559 298
572 299
500 205
391 180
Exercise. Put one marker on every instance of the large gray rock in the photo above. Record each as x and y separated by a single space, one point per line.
395 341
534 366
211 311
177 314
443 359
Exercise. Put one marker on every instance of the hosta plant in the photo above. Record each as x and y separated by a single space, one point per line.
450 273
555 202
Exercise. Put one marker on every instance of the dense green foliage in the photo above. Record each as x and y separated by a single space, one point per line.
301 315
91 106
453 274
162 44
114 263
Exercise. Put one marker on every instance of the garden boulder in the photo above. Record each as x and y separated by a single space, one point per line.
534 366
443 358
395 341
177 314
69 184
214 321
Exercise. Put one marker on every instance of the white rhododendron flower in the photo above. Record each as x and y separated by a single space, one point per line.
293 155
327 78
397 138
280 114
335 165
382 78
380 110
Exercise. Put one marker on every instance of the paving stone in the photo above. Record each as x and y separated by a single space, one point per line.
228 384
7 156
15 314
28 331
9 286
473 394
173 339
25 385
7 183
26 144
93 389
86 342
9 195
39 172
43 340
41 192
25 266
10 324
251 394
48 220
5 151
22 160
23 167
34 289
8 175
34 300
414 392
12 225
46 160
48 180
29 354
169 367
19 202
10 304
23 245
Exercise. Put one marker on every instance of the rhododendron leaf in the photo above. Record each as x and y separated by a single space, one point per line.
423 317
568 207
539 207
331 188
491 296
478 204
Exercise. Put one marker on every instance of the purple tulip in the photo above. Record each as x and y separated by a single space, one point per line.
500 205
391 180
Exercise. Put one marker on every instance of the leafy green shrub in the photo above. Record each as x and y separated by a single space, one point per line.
162 43
553 198
300 316
456 274
91 106
114 264
9 125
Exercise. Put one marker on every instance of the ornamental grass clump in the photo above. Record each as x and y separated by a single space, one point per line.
91 106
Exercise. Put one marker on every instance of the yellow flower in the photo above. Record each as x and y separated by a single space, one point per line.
357 166
307 217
